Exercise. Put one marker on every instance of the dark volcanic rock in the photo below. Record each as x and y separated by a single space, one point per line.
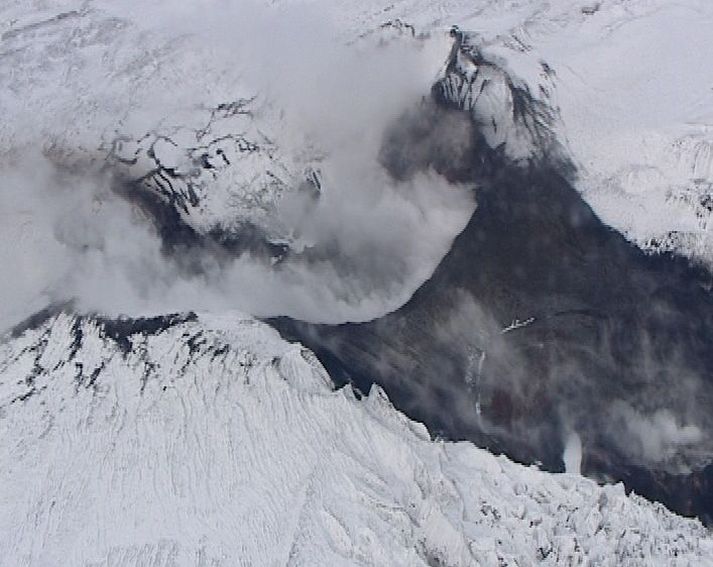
542 321
539 321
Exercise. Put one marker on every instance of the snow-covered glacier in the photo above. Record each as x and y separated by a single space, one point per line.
209 440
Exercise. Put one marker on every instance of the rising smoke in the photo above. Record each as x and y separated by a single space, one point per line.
360 250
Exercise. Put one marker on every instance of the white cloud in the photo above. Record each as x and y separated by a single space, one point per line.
373 239
656 437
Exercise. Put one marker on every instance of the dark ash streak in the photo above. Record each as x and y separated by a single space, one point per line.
536 322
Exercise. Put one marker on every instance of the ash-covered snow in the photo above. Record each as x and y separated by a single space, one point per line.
208 440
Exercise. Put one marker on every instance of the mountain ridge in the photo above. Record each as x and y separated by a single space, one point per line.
228 426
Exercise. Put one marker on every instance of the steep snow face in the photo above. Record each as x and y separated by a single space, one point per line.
205 440
632 83
506 114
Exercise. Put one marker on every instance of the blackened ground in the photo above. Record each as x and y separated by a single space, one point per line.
541 320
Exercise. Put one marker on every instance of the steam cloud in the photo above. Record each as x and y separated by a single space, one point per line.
373 239
652 438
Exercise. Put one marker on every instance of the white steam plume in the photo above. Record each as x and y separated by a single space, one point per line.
68 236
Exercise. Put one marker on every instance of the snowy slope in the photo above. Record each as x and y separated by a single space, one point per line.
205 440
632 83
